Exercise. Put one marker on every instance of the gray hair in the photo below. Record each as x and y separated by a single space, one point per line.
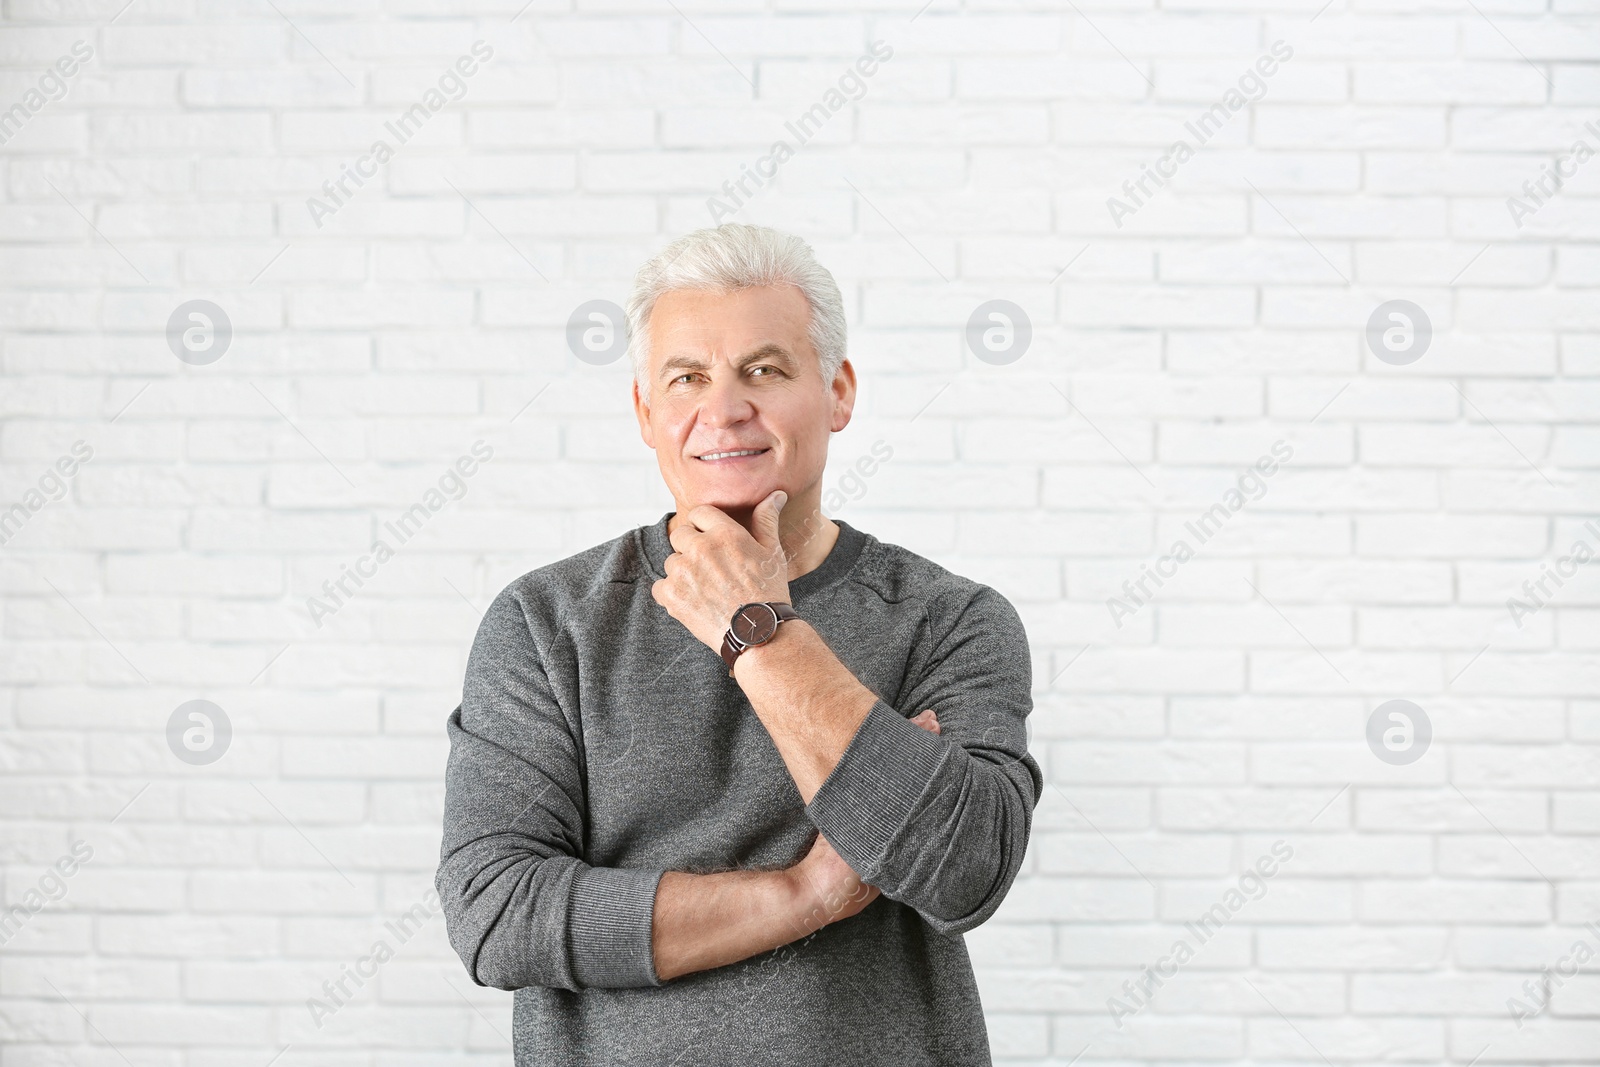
727 258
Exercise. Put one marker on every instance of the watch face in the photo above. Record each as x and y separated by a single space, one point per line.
754 624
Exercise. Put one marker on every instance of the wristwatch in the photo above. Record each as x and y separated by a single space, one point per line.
753 624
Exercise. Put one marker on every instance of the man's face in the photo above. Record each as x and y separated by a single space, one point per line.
737 372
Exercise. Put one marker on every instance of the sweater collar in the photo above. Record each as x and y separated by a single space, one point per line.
841 557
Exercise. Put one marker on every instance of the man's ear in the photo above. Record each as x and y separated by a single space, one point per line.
641 411
844 396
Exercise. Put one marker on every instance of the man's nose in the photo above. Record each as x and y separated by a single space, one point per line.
726 403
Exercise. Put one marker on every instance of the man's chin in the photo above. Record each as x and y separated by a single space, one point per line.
737 506
744 495
732 505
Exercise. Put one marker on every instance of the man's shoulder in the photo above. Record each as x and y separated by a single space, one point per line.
592 573
947 609
900 575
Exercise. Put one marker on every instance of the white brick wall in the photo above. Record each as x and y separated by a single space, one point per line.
1169 353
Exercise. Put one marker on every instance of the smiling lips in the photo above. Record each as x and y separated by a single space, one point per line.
734 454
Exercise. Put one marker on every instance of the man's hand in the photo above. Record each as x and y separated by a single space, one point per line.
829 889
717 566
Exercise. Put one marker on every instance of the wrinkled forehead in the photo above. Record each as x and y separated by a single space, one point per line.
699 328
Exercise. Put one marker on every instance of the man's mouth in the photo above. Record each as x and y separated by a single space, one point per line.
737 453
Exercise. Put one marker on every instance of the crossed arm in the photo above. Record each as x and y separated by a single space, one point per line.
932 812
812 707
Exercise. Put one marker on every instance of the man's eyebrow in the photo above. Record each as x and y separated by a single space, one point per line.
771 350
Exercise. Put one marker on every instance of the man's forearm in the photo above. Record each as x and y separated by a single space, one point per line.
810 702
711 920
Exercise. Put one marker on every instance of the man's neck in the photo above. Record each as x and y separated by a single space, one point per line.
807 539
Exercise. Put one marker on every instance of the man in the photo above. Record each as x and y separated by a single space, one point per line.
686 837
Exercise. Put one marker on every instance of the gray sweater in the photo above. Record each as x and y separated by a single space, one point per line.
598 744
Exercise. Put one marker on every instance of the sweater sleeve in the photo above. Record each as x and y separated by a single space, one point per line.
521 907
940 822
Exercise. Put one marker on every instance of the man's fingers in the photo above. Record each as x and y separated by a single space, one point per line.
927 720
707 517
767 523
